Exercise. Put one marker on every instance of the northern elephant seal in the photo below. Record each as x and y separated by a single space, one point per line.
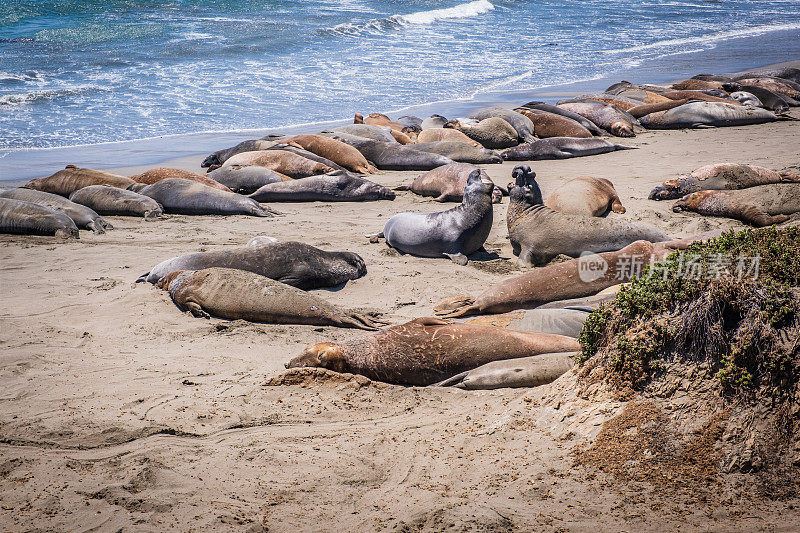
294 263
340 153
617 101
250 145
693 84
238 294
514 373
700 96
26 218
646 109
287 163
446 134
769 100
154 175
719 176
408 121
368 132
762 205
746 98
108 200
776 85
538 234
186 197
548 124
561 148
339 186
428 350
82 216
492 132
699 114
246 179
612 119
392 156
433 121
521 124
588 196
447 183
580 119
787 73
72 178
455 233
459 152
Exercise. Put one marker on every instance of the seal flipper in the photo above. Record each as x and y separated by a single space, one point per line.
455 381
402 188
96 227
617 207
459 258
375 237
196 310
430 321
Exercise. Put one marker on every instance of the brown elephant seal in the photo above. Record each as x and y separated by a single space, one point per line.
588 196
340 153
252 145
428 350
492 132
82 216
154 175
567 322
617 101
400 133
65 182
238 294
287 163
646 109
26 218
561 148
580 119
693 84
294 263
548 124
108 200
704 114
719 176
446 134
538 234
775 85
246 179
521 124
366 131
447 183
339 186
185 197
699 95
762 205
393 156
514 373
608 117
459 152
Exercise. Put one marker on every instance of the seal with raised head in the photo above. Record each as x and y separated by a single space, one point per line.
246 179
82 216
238 294
428 350
250 145
580 119
762 205
700 114
26 218
285 162
107 200
294 263
455 233
610 118
392 156
548 124
585 195
72 178
447 183
340 153
719 176
538 234
514 373
185 197
339 186
154 175
446 134
521 124
492 132
459 152
561 148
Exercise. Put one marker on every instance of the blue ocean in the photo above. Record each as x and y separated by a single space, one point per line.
79 73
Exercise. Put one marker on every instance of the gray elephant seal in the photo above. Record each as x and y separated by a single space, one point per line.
538 234
393 156
514 373
762 205
433 121
699 114
521 124
745 98
72 178
492 132
409 121
588 196
339 186
186 197
580 119
769 100
294 263
108 200
447 183
459 152
787 73
567 322
367 131
561 148
455 233
610 118
82 216
26 218
237 294
428 350
246 179
719 176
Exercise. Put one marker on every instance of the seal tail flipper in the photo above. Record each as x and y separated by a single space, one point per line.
459 259
625 147
441 198
455 381
358 321
402 188
788 175
196 310
142 278
617 207
96 227
456 307
152 214
105 223
760 219
375 237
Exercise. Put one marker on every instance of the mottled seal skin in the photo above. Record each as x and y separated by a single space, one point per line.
700 114
459 152
392 156
580 119
492 132
719 176
548 124
373 133
433 121
776 85
65 182
246 179
614 120
294 263
428 350
538 234
26 218
646 109
455 233
82 216
446 134
339 186
285 162
745 98
588 196
108 200
769 100
762 205
514 373
447 183
340 153
184 197
521 124
561 148
250 145
237 294
154 175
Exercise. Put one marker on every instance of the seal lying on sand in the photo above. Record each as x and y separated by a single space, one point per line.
492 132
82 216
251 145
237 294
699 114
580 119
186 197
548 124
392 156
769 100
455 233
366 131
108 200
514 373
459 152
294 263
538 234
561 148
26 218
339 186
340 153
446 134
746 98
157 174
608 117
72 178
246 179
646 109
447 183
433 121
787 73
761 205
719 176
521 124
428 350
282 161
592 197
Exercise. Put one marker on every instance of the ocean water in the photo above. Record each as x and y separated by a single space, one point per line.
79 73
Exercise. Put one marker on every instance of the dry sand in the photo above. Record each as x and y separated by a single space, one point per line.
117 411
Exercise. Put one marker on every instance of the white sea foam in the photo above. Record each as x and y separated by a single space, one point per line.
27 98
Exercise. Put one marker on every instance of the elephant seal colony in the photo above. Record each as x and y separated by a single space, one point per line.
84 217
108 200
761 205
26 218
